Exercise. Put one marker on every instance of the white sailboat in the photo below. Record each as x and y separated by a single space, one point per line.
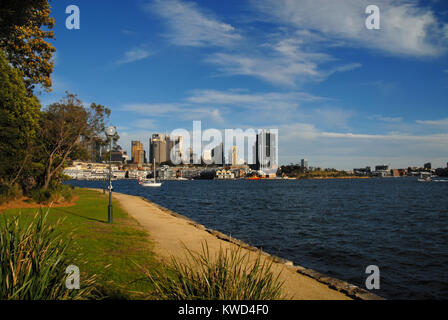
149 182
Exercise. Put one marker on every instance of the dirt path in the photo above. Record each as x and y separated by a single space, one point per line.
169 232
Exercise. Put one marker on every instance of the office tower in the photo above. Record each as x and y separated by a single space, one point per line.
175 142
137 152
234 155
304 163
217 154
160 147
157 148
265 150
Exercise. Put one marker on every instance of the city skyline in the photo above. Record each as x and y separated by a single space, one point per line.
340 95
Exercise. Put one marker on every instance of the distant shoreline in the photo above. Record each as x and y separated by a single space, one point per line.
327 178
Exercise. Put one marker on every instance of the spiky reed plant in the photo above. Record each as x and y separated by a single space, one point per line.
231 275
33 261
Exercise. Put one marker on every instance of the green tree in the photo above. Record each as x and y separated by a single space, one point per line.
66 126
19 120
24 27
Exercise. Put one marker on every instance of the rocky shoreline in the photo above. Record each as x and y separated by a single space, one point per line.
344 287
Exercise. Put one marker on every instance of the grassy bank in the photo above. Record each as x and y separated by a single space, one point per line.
109 251
121 257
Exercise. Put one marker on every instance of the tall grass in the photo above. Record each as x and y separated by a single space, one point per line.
33 261
231 275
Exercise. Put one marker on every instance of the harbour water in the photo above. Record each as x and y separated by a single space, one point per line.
337 227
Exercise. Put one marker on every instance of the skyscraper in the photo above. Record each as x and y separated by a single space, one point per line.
157 148
234 155
265 149
304 163
217 154
160 147
137 153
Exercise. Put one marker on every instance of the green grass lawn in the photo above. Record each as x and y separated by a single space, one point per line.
109 251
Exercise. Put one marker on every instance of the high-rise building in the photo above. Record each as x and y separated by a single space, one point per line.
157 148
304 163
427 166
266 152
160 147
137 153
217 154
234 155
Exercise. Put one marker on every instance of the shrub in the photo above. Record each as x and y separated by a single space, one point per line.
55 193
230 276
33 261
8 192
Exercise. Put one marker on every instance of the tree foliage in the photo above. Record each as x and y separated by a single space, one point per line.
65 126
24 27
19 117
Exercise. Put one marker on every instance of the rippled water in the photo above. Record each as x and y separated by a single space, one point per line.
337 227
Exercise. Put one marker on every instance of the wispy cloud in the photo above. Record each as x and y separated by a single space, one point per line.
134 55
180 110
406 28
258 101
436 123
191 26
286 64
385 119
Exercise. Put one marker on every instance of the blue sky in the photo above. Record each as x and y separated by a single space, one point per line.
340 95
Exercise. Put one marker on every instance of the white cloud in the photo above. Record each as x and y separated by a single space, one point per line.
134 55
258 101
436 123
406 29
179 110
191 26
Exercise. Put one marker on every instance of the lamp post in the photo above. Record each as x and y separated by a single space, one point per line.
110 133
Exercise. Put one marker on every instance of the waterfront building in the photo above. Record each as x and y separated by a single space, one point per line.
382 167
427 166
362 171
138 153
225 174
118 155
382 171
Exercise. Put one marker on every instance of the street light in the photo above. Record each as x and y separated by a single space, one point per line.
110 133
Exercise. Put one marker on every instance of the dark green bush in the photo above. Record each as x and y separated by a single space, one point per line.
55 193
8 192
